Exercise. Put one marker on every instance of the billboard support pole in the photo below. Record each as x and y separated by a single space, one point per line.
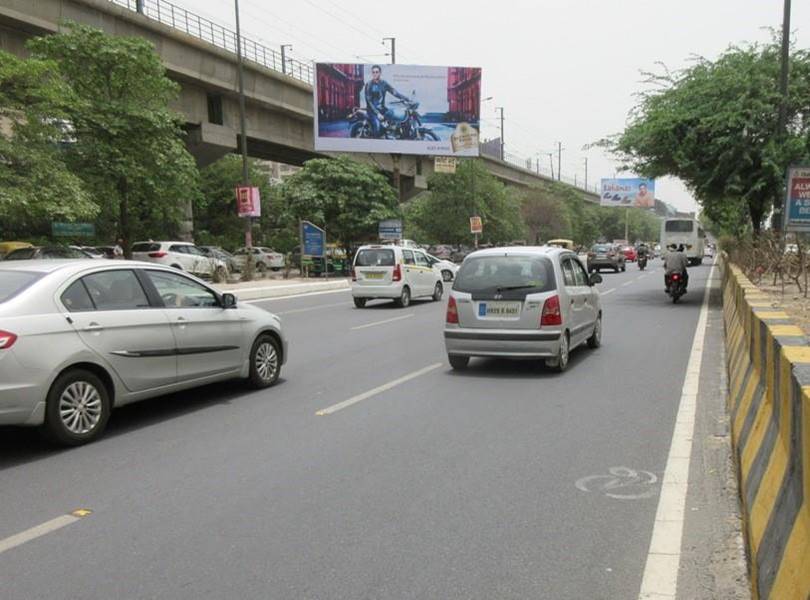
627 224
243 134
396 175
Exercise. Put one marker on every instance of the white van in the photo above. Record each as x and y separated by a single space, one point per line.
394 273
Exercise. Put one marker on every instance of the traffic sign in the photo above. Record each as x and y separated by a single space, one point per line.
476 226
444 164
390 229
313 240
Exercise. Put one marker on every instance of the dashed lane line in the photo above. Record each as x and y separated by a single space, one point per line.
377 390
383 322
45 528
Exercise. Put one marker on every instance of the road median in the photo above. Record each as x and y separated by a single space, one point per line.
769 407
280 288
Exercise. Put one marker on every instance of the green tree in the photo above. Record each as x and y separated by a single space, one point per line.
714 125
126 143
545 217
36 186
443 213
345 197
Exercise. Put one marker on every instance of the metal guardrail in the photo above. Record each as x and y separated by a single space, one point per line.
206 30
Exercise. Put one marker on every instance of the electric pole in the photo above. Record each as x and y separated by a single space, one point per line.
551 162
781 126
284 57
393 41
242 126
586 172
500 108
559 160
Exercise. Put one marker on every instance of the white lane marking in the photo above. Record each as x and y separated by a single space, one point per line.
310 308
663 559
37 531
377 390
375 323
636 485
605 293
627 283
258 300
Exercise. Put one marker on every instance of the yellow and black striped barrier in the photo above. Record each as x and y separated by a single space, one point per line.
769 405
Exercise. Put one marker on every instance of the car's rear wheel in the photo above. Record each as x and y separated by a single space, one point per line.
458 362
404 299
447 275
615 269
560 362
437 292
265 361
596 337
360 302
624 267
77 408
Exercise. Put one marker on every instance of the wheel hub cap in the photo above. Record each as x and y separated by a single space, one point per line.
80 407
266 362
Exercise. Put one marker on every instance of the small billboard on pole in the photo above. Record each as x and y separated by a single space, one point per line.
476 225
248 201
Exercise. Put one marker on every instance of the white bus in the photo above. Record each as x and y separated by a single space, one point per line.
687 232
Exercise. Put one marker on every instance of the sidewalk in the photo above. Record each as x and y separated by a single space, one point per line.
278 288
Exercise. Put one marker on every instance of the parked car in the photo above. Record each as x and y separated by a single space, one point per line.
107 251
6 247
561 243
180 255
263 258
629 253
221 254
394 273
90 251
46 253
447 268
524 303
604 256
460 253
111 329
441 251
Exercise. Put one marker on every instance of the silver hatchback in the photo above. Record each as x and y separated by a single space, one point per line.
78 338
522 302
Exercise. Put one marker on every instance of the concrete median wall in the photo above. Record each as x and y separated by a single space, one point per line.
769 406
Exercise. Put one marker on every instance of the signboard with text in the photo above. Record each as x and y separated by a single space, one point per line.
390 229
797 211
313 240
248 202
476 226
628 192
73 229
444 164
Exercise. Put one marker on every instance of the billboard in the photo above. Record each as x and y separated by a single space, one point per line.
628 192
248 202
797 211
313 239
390 229
402 109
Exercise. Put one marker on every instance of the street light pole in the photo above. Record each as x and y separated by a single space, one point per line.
586 172
500 108
781 126
284 57
242 126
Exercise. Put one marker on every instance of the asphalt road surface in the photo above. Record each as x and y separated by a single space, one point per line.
492 483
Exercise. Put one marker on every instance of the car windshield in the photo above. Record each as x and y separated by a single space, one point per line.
13 282
602 248
492 273
374 257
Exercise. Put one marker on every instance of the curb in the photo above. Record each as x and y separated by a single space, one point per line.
769 407
280 291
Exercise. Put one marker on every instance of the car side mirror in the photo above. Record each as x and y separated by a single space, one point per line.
594 279
228 300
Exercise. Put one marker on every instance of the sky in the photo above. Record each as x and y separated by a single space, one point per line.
564 70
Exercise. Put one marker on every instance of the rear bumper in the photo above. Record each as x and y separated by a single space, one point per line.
596 263
377 291
22 397
502 342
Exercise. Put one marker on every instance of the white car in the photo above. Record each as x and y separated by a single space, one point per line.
263 258
180 255
447 268
394 273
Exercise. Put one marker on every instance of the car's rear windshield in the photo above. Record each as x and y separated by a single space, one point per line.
679 226
374 258
527 274
602 248
145 247
21 254
14 282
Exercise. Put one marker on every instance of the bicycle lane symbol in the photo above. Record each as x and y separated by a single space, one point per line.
622 483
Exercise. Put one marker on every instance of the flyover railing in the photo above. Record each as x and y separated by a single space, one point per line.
206 30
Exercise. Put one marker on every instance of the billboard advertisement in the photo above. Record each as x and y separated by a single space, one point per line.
248 202
313 239
402 109
797 212
628 192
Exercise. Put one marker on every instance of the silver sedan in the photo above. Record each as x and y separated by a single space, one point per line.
78 338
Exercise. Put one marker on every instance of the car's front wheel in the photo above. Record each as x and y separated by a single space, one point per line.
77 408
447 275
265 361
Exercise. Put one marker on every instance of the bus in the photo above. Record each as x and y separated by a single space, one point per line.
687 232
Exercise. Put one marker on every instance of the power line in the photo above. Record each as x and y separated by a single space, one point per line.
334 16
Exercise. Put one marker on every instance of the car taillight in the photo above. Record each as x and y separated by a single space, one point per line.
675 277
397 275
452 311
551 314
7 339
354 274
157 254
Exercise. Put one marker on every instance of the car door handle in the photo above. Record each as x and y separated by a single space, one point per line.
93 327
181 321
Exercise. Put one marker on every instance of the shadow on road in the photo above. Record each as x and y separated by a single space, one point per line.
20 445
501 368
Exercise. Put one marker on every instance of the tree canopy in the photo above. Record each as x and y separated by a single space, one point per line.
714 125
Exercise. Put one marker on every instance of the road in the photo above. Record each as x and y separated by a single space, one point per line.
477 484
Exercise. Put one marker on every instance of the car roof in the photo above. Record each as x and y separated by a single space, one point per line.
68 265
164 242
521 251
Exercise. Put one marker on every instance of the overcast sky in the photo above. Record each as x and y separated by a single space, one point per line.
564 70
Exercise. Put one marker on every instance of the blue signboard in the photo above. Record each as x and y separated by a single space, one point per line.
313 239
390 229
797 214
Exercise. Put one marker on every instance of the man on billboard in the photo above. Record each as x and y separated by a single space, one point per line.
644 199
375 91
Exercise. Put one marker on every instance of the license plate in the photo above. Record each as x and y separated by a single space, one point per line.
373 275
499 310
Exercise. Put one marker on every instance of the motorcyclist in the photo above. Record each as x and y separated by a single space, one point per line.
675 261
374 92
642 251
